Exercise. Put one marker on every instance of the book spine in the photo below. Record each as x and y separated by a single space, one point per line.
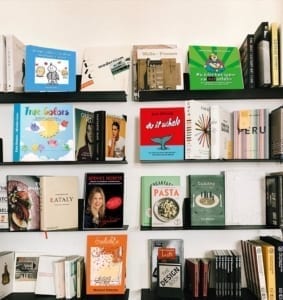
276 131
274 32
9 63
269 268
16 133
99 135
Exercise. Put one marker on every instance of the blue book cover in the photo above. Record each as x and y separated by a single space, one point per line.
49 70
43 132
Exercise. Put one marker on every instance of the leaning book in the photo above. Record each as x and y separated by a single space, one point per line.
106 264
7 273
43 132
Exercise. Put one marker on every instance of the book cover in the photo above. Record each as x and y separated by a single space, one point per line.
280 34
204 275
214 68
106 264
23 193
221 133
251 134
167 204
193 276
276 133
71 276
104 200
161 133
80 276
274 53
174 248
49 69
59 278
84 135
43 132
106 69
147 182
58 202
3 66
4 220
15 63
207 194
197 130
7 273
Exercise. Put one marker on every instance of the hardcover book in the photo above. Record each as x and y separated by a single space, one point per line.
274 53
106 264
104 200
71 276
58 202
193 276
49 70
162 133
3 74
276 133
23 193
106 69
59 278
207 194
147 182
43 132
7 273
197 130
4 223
214 68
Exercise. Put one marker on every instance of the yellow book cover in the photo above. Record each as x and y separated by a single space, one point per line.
274 54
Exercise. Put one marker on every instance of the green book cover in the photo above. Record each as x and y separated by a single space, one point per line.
207 195
146 183
215 68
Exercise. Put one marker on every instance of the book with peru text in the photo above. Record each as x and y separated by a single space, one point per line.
161 133
58 202
49 69
207 196
7 273
104 200
23 193
43 132
106 259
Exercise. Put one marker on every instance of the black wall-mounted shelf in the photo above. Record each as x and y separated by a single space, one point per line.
213 161
26 163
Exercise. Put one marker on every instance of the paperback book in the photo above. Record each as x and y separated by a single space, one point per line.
4 223
49 70
106 264
7 273
162 133
43 132
104 200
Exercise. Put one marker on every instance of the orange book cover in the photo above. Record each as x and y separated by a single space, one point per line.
106 264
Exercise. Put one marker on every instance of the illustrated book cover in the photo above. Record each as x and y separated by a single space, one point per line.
106 69
214 68
104 200
197 130
106 264
49 69
4 221
167 206
207 194
58 202
7 273
23 193
147 182
43 132
84 135
162 133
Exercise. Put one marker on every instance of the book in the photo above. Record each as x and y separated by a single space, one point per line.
99 118
197 130
161 133
207 194
43 132
59 278
23 193
214 68
3 66
221 133
167 204
274 53
7 273
247 55
58 202
251 134
280 34
4 220
237 272
204 275
49 69
276 133
193 276
104 200
15 63
147 182
84 136
174 248
71 276
106 69
106 264
80 276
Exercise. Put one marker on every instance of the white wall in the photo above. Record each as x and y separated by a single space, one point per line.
75 24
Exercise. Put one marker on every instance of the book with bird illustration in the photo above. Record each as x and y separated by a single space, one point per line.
162 133
43 132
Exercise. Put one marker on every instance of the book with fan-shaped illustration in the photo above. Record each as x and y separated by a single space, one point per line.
43 132
162 133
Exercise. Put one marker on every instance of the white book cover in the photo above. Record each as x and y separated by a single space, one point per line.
15 57
167 203
221 133
3 75
7 273
71 276
4 223
197 130
106 69
59 278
